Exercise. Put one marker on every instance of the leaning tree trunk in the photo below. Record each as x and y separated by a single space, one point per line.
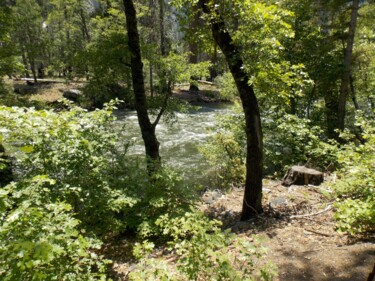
147 128
345 77
252 202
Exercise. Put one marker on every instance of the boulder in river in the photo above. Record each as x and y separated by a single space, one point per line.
300 175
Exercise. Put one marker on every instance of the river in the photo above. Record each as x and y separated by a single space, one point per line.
178 141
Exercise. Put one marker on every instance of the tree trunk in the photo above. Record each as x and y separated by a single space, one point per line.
331 110
33 70
163 47
6 173
345 77
354 96
193 47
252 202
147 129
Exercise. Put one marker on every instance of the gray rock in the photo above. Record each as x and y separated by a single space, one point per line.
72 94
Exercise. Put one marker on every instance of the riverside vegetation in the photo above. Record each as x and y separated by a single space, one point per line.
68 185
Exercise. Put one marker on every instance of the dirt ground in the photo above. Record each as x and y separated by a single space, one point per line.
299 232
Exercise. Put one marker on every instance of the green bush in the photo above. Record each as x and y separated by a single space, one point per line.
164 193
40 239
355 188
290 140
227 86
226 151
78 150
204 252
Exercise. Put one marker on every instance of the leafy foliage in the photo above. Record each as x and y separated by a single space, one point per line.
202 250
288 140
355 189
40 239
76 149
227 86
225 151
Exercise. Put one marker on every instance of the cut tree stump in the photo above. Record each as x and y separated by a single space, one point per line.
300 175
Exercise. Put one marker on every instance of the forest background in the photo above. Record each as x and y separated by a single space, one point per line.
302 76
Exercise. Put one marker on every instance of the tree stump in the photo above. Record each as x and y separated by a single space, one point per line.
300 175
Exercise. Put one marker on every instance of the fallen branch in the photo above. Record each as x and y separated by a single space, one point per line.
320 233
207 82
329 207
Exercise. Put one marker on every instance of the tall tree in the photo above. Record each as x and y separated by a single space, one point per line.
147 128
346 73
252 201
28 33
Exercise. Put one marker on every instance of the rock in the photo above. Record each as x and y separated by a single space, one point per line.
209 197
300 175
278 201
72 94
25 89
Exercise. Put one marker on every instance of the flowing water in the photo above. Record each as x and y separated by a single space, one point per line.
178 141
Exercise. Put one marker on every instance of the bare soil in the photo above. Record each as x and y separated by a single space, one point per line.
298 229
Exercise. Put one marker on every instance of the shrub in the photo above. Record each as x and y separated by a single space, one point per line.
226 151
40 239
80 152
204 252
290 140
355 189
227 86
164 193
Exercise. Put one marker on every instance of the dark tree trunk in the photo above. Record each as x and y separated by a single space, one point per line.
331 107
33 70
345 77
151 80
252 202
354 96
6 174
193 47
163 47
147 128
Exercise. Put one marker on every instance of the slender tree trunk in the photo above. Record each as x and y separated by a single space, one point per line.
193 47
6 173
354 96
147 129
25 64
331 109
163 47
33 70
252 202
345 77
151 80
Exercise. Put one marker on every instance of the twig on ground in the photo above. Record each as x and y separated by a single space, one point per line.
318 232
329 207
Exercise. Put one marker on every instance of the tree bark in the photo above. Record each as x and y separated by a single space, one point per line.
252 202
331 111
147 128
345 77
6 173
354 96
163 47
193 47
